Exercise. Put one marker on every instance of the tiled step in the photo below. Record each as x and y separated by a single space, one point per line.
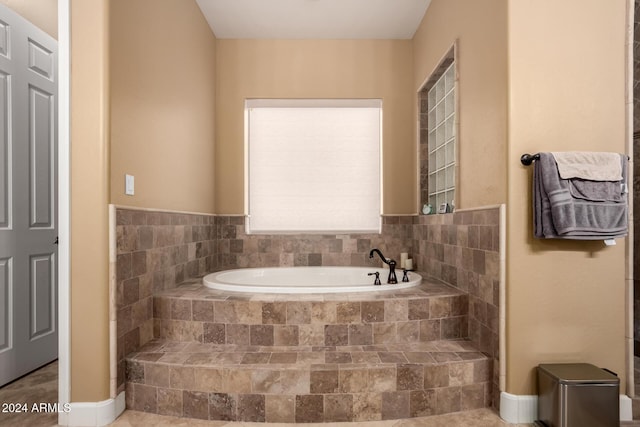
307 383
635 408
192 312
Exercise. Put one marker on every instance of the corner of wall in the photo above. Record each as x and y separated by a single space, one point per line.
89 276
93 414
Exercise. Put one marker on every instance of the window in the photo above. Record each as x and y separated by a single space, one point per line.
442 139
313 165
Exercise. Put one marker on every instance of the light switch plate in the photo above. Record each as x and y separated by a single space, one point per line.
129 185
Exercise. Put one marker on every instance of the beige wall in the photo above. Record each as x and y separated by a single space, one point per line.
538 77
42 13
162 124
316 69
162 105
89 201
565 300
480 30
89 192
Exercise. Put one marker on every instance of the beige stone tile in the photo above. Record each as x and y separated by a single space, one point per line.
348 312
382 379
461 374
311 335
396 310
40 386
134 419
298 313
208 379
352 380
323 312
408 331
286 335
279 409
237 380
368 406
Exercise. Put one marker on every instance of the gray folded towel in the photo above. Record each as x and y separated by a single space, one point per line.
577 208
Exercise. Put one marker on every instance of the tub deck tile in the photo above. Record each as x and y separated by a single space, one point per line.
198 354
309 357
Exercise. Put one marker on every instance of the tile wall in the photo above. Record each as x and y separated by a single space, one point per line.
463 249
156 251
236 249
192 314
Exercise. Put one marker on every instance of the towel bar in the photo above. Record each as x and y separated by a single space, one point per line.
526 159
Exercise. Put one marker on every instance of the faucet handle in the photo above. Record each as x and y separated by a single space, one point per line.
405 276
377 281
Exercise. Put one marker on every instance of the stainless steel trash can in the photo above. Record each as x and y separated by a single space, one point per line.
577 395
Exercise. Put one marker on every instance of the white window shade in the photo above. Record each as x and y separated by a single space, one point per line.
314 165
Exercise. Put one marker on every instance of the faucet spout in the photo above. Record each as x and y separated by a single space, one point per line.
377 251
392 279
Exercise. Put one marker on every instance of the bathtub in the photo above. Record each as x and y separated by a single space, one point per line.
306 280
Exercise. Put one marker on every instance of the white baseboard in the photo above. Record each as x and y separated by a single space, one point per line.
518 409
524 409
626 410
93 414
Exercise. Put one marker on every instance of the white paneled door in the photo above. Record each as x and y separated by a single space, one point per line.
28 197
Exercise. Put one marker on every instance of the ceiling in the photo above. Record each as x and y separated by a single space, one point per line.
314 19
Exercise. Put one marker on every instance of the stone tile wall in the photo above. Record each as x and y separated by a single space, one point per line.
157 250
304 384
462 249
236 249
192 314
154 251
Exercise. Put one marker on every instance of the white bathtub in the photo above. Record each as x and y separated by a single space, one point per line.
306 280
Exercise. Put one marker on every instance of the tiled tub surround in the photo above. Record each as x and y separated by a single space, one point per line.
432 311
157 250
154 251
309 358
461 249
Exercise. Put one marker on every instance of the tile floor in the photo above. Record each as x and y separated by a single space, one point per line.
42 386
38 387
475 418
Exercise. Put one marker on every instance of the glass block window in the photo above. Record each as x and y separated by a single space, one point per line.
442 139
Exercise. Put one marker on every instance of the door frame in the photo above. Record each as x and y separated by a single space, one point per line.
64 208
73 413
629 274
